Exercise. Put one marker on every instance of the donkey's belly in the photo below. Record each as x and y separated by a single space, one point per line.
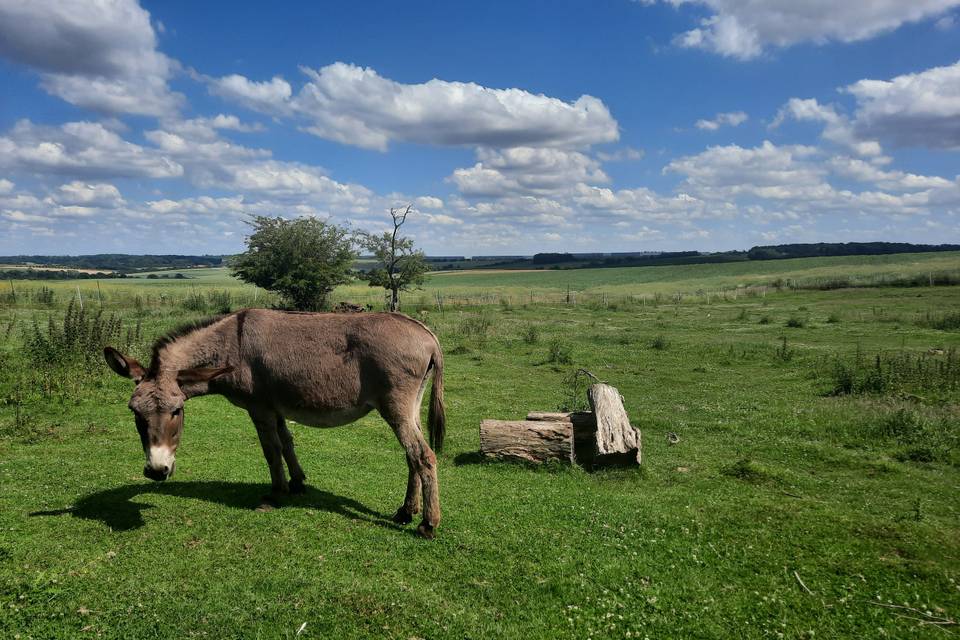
326 417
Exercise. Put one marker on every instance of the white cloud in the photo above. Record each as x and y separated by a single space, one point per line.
356 106
81 149
268 97
526 171
946 23
767 171
744 29
5 186
837 127
100 55
428 202
621 155
856 169
84 194
915 109
732 118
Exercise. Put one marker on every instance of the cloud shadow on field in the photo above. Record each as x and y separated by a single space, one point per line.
118 509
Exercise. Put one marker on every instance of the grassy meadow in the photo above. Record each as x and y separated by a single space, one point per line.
813 491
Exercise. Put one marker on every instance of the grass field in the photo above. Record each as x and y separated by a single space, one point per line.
813 493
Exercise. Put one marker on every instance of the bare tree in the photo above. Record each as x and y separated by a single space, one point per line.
399 265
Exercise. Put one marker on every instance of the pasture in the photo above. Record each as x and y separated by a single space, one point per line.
813 492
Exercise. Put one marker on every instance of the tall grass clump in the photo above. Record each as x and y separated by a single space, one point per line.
948 321
559 352
531 334
79 338
897 373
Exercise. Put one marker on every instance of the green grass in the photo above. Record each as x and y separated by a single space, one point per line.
774 477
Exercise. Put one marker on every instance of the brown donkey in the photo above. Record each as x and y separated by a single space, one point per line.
321 369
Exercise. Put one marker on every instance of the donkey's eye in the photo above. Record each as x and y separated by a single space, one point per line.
176 412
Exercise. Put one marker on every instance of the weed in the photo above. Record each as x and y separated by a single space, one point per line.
559 352
833 318
795 323
900 372
784 352
764 320
574 391
531 334
659 343
949 321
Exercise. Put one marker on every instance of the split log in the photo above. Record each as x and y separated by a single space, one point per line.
530 440
584 432
615 435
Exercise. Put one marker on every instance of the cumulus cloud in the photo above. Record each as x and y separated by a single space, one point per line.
81 149
357 106
77 193
731 118
526 171
916 109
837 127
744 29
856 169
100 55
767 171
271 96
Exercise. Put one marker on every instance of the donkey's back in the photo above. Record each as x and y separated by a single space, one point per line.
326 369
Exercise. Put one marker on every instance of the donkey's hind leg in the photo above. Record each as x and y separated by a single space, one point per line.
422 467
266 423
297 476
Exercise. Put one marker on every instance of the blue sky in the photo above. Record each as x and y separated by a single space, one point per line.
614 125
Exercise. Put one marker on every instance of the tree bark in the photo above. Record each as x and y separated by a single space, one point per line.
615 435
529 440
584 425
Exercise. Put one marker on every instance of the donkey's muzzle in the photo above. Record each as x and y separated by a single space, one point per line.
156 474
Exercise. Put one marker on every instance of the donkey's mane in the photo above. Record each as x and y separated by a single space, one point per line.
172 336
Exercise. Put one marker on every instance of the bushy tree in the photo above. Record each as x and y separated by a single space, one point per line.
399 265
302 259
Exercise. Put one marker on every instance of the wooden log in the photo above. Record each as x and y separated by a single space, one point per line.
530 440
584 432
615 435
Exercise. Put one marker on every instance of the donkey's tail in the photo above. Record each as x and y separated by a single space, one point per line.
435 416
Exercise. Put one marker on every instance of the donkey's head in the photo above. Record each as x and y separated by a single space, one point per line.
157 405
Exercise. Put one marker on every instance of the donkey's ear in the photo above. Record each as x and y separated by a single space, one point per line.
195 382
124 365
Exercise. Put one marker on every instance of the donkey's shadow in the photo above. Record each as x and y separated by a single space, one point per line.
117 509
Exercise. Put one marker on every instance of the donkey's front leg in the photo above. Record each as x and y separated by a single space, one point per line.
266 423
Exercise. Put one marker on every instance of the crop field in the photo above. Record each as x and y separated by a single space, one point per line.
813 492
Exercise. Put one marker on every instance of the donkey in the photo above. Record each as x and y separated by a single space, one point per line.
321 369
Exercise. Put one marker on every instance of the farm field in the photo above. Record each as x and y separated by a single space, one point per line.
813 492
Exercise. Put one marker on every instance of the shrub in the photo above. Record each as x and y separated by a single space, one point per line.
833 318
764 320
795 323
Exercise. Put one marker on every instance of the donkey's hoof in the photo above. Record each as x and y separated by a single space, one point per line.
402 516
297 486
426 531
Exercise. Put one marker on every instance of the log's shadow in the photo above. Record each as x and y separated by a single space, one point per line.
117 509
